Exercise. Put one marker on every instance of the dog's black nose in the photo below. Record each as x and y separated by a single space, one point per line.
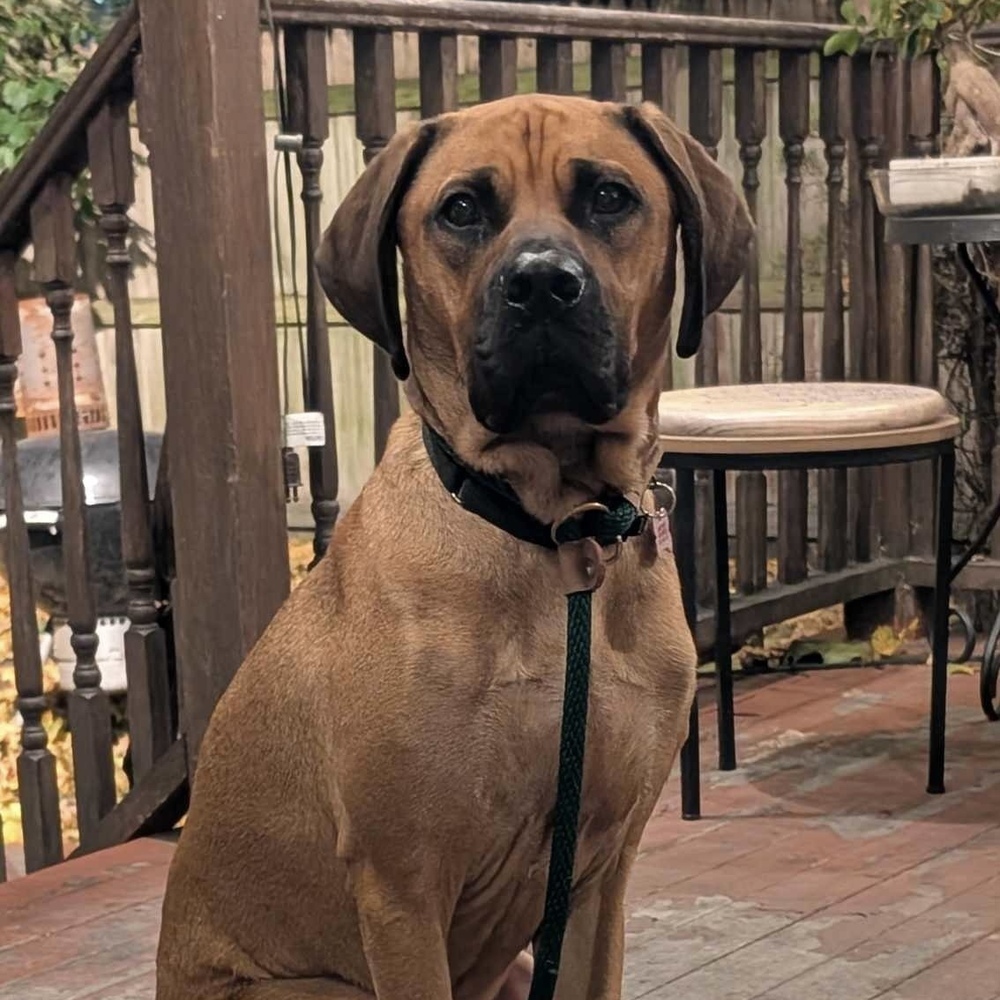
544 281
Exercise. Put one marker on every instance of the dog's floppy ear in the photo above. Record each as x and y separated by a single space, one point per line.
716 228
356 260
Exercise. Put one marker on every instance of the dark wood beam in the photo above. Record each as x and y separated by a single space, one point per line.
201 112
154 806
783 601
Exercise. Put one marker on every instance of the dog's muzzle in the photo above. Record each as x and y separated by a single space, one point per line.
545 342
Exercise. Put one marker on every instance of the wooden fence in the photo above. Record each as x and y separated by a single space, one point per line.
222 492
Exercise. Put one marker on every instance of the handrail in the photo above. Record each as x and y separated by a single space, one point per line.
61 145
535 20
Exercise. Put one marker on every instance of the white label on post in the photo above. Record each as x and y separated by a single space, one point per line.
304 430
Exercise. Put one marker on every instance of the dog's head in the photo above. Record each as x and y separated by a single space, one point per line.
539 238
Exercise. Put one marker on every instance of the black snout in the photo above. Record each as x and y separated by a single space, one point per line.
543 281
545 341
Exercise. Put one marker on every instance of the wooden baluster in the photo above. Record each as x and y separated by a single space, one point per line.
793 487
751 487
308 116
438 73
150 711
659 85
36 767
554 60
834 113
924 107
705 124
375 109
869 116
659 76
895 350
608 71
89 708
497 67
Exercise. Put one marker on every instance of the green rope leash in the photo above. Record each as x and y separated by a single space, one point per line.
572 743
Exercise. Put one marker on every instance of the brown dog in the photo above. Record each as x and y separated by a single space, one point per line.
372 808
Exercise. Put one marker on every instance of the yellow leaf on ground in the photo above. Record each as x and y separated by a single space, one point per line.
885 642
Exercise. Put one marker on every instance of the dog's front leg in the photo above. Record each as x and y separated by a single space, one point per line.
404 938
593 953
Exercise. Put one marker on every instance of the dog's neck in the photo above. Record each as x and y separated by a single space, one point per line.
553 464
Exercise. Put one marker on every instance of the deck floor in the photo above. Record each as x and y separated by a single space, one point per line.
820 870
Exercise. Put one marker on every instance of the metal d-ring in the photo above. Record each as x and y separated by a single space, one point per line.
578 512
658 511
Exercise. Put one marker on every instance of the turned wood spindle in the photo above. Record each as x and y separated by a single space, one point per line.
868 114
834 122
793 486
554 59
751 487
375 124
150 709
497 67
705 124
308 116
54 239
38 790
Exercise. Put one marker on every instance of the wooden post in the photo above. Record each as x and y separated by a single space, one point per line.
202 109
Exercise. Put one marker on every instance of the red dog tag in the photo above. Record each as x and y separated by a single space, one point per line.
662 534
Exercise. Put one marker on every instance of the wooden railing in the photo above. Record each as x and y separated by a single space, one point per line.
89 129
876 323
840 535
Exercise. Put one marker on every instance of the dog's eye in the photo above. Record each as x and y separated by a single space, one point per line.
611 198
461 211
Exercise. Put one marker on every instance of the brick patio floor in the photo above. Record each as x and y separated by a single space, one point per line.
820 870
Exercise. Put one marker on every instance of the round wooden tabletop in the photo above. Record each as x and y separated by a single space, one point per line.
785 417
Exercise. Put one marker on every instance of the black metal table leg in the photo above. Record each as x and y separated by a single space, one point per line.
939 625
723 638
684 550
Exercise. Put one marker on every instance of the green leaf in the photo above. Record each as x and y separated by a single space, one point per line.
15 95
846 41
849 12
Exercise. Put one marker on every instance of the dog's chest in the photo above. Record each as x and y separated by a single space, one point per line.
629 727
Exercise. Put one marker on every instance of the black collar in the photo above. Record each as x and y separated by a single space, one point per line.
492 499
